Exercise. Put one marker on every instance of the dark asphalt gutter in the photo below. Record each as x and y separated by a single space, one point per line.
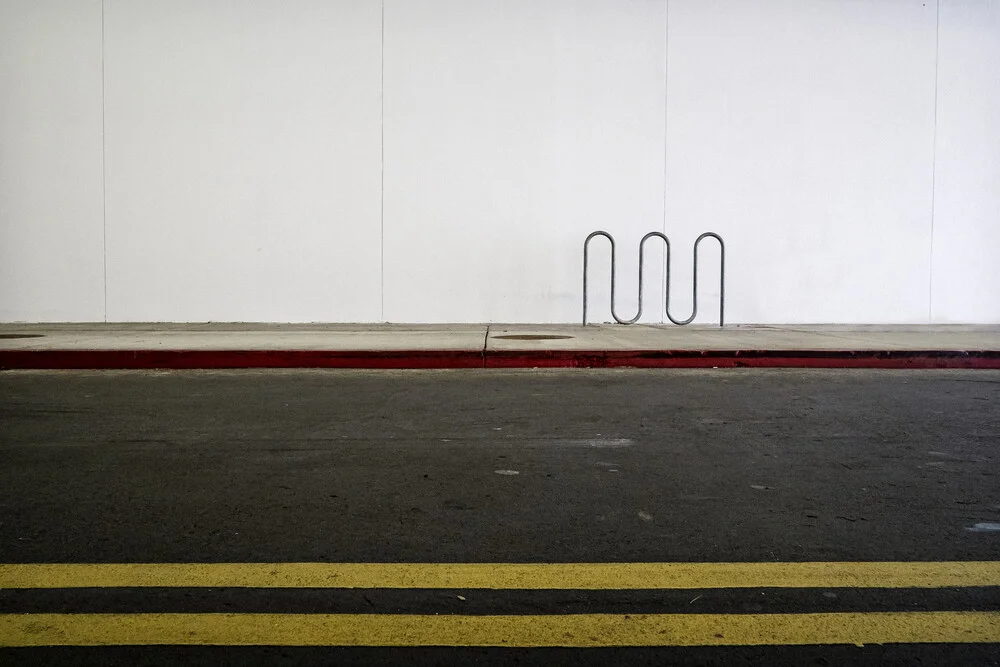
485 358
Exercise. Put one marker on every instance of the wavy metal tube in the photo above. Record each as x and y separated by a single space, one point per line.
614 314
642 245
694 289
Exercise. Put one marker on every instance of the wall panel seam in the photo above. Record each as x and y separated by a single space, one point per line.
381 94
937 66
104 169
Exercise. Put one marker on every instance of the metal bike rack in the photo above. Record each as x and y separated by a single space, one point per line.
642 244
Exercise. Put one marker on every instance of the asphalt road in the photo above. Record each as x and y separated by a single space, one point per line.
513 467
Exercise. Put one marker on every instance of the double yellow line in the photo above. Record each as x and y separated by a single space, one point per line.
572 630
533 576
568 630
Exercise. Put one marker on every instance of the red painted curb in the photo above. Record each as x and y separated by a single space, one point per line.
745 359
372 359
193 359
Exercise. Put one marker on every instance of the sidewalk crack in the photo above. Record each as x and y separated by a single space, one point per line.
486 342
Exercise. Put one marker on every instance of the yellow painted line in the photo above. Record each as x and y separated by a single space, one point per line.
580 576
575 630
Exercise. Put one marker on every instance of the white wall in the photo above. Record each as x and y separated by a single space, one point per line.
966 266
803 132
443 160
51 200
513 128
243 160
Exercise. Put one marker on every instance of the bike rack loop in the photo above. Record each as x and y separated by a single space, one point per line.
642 244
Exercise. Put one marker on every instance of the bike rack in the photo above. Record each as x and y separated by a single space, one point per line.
642 244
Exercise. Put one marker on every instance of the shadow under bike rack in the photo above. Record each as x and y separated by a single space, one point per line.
642 244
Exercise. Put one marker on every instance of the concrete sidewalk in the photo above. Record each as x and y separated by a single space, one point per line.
495 345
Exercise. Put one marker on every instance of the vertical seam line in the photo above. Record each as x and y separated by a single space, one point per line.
666 73
104 169
930 263
381 97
